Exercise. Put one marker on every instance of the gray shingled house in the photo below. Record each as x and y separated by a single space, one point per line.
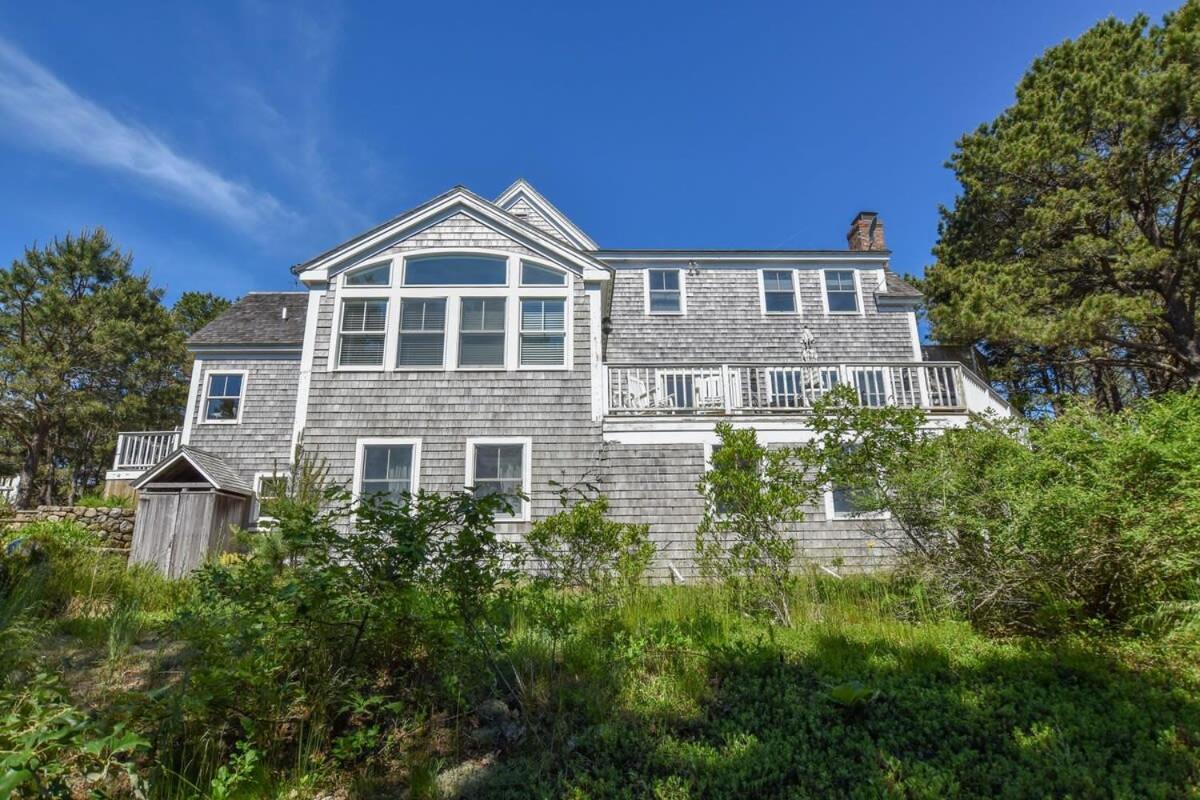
493 344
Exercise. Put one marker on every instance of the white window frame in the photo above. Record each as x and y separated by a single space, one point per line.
841 516
369 265
762 292
526 469
567 354
390 342
400 332
453 295
360 453
202 412
682 312
857 292
458 334
259 477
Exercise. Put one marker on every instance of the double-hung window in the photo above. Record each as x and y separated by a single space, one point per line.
501 467
223 397
666 294
779 291
387 470
841 291
422 332
481 335
543 332
363 332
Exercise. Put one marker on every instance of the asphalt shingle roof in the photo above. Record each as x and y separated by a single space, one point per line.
900 287
258 319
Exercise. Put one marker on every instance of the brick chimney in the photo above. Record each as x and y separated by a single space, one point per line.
866 232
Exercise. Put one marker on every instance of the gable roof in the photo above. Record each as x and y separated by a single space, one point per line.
457 200
211 468
522 193
258 319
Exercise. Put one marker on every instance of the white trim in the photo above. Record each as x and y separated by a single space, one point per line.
596 348
861 311
526 467
634 259
256 484
202 416
762 293
454 201
682 312
304 385
335 349
521 188
568 333
193 392
915 330
362 443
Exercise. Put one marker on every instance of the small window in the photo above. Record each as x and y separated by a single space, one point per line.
499 468
537 275
846 502
377 275
665 295
481 337
543 333
387 472
269 488
364 324
422 332
841 294
456 271
223 402
779 291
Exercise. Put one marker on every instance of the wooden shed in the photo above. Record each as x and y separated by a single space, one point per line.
187 506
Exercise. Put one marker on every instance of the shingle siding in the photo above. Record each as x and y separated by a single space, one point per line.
262 439
724 322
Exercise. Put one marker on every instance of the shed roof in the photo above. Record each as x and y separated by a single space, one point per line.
258 319
209 467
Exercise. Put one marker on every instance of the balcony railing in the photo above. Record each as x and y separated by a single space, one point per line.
142 450
787 388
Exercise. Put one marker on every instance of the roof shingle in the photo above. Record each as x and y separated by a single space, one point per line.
258 319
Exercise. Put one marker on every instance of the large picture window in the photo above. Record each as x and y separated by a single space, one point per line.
363 332
422 332
456 270
481 337
543 333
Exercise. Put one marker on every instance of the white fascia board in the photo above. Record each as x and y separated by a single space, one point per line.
633 259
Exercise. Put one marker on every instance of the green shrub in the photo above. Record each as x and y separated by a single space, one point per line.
1084 519
99 500
581 548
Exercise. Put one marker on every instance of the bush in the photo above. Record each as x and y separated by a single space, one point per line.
580 548
97 500
1084 519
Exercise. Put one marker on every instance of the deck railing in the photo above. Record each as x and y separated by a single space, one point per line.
783 388
143 449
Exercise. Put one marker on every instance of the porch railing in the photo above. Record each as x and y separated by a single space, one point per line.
785 388
143 449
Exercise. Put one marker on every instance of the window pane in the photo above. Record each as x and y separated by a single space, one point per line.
483 314
781 302
777 280
537 275
364 315
423 314
542 349
667 279
481 350
844 501
664 301
499 469
839 290
843 301
421 349
224 385
456 271
378 275
221 409
361 350
542 315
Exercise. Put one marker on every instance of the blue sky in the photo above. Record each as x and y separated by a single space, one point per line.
223 142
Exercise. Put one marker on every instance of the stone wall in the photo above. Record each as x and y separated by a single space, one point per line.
114 526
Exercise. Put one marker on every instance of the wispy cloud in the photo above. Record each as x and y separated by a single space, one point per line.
45 112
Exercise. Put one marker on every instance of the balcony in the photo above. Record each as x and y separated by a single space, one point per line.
137 452
942 387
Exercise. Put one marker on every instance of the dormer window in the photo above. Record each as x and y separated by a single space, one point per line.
375 275
665 291
456 270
